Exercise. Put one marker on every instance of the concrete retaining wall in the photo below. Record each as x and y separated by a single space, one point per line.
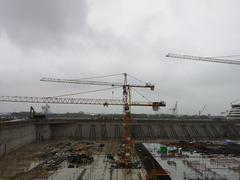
15 136
43 132
147 130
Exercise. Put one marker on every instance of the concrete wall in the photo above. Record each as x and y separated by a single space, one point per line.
43 132
17 134
145 130
14 136
91 131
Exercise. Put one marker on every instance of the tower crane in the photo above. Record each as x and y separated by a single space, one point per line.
46 109
174 109
206 59
201 111
126 102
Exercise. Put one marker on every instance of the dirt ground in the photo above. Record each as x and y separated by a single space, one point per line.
21 164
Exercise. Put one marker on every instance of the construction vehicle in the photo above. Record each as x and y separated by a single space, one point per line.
36 116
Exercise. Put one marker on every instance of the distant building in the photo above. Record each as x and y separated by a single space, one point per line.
234 113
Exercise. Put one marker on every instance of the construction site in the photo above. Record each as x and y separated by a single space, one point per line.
92 149
117 147
88 90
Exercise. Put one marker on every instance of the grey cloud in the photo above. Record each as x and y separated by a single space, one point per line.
108 37
40 23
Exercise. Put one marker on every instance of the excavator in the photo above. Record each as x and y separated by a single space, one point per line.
36 116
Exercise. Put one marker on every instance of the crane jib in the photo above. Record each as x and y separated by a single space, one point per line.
98 83
206 59
54 100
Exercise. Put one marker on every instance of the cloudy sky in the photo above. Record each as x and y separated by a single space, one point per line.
77 39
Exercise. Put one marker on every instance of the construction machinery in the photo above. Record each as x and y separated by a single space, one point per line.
36 116
126 102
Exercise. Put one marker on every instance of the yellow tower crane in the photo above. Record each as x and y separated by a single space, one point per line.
126 102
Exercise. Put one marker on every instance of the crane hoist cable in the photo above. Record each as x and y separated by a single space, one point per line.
136 79
97 77
143 96
85 92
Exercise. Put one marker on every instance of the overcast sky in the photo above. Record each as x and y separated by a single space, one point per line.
75 39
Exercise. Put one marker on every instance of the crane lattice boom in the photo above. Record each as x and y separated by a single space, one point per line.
76 81
206 59
55 100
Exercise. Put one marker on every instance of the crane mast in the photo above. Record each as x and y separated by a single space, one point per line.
127 121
